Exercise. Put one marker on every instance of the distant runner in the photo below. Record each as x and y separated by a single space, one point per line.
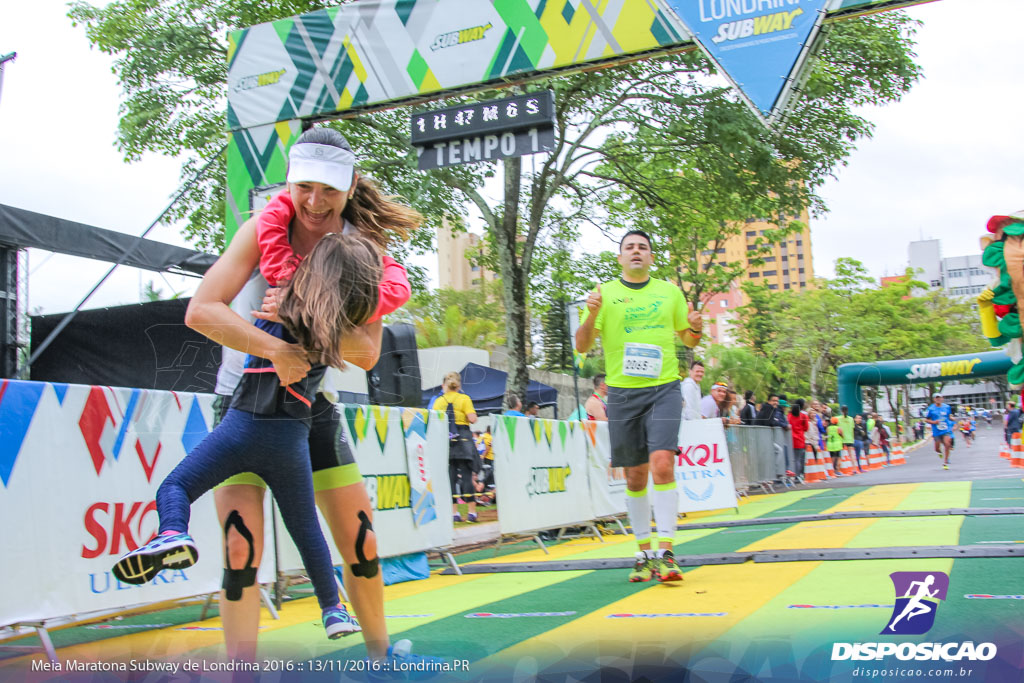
938 416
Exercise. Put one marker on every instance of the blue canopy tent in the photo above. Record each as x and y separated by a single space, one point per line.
486 386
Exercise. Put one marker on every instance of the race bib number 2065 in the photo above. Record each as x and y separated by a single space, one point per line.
641 360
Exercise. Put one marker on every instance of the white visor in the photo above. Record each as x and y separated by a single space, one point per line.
313 163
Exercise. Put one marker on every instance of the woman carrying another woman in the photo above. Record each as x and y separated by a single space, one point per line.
324 195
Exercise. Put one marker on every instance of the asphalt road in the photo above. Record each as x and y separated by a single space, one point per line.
980 460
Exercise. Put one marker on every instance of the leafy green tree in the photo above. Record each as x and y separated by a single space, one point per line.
740 367
456 330
807 334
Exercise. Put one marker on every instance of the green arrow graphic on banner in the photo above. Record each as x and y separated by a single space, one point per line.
510 427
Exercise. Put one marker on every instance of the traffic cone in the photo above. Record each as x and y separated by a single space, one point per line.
846 463
897 456
828 470
1004 451
1017 452
875 457
813 470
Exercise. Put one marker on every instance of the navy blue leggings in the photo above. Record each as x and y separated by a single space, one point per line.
275 447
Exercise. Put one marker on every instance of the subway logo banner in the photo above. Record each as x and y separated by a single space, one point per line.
379 53
760 45
375 52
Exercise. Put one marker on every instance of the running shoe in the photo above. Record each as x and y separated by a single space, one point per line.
945 467
471 517
643 569
666 569
338 622
170 551
456 518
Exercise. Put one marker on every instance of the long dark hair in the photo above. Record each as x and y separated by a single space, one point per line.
334 290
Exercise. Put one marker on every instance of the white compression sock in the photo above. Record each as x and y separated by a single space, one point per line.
638 506
666 510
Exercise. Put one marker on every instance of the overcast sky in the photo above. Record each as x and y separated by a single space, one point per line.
941 161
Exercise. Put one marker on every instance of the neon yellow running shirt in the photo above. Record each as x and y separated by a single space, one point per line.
638 328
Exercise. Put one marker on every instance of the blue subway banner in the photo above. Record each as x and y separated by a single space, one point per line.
760 45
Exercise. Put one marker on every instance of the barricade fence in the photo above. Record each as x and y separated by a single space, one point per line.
80 467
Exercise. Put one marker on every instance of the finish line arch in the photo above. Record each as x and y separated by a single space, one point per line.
853 376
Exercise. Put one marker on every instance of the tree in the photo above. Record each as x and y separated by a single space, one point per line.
740 367
456 330
808 334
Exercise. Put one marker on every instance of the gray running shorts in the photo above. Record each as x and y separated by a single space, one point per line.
641 421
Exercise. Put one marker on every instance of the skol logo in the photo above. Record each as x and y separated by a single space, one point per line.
111 523
917 599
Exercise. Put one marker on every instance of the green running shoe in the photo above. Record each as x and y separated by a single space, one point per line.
642 571
666 569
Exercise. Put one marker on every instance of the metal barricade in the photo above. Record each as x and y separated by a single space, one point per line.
758 454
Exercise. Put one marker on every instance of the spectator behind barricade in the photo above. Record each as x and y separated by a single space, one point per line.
597 405
1014 420
846 430
463 461
515 406
690 389
769 409
712 404
821 420
860 441
797 420
880 436
834 444
732 409
812 438
748 414
533 409
486 481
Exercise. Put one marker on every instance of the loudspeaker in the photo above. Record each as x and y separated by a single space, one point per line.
395 379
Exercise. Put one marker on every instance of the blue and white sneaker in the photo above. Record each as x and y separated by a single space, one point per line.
173 551
338 622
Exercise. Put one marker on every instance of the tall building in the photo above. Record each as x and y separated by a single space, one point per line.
788 266
958 276
454 256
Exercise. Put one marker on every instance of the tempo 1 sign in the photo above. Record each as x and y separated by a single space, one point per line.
484 131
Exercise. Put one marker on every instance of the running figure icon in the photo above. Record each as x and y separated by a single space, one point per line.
916 606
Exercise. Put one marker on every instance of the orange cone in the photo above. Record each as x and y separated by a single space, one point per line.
1017 452
847 464
813 471
1004 451
897 456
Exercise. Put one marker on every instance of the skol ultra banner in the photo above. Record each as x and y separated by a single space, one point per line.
79 468
541 474
703 469
374 52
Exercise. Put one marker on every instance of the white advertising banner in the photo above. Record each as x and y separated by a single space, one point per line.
703 468
607 483
410 513
80 467
540 473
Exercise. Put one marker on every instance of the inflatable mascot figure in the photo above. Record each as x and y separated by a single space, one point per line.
998 304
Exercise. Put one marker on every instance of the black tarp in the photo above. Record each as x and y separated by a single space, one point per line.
20 228
486 386
145 346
